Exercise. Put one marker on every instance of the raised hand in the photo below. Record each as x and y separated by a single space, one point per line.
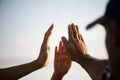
43 58
75 45
62 63
16 72
77 51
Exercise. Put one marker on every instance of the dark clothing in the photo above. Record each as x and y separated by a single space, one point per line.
113 10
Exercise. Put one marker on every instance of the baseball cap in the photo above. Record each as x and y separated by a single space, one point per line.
112 12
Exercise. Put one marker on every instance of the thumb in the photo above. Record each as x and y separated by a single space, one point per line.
65 42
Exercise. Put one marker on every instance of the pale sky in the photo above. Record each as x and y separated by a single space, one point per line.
24 22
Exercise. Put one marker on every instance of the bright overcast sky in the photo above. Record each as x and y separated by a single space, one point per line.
24 22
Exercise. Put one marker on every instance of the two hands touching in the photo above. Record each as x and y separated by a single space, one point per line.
73 49
62 62
77 51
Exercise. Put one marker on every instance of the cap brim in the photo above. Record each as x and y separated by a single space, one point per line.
98 21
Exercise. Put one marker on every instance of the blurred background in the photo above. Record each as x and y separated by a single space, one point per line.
24 22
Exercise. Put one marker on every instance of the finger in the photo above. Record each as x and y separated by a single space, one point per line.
69 32
74 30
80 46
81 41
64 51
79 35
81 38
48 33
60 45
77 28
65 43
60 48
56 52
56 56
50 29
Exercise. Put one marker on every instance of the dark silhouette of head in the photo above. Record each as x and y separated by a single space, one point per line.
111 22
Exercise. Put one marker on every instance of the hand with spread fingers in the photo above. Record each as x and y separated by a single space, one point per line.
77 51
62 63
75 45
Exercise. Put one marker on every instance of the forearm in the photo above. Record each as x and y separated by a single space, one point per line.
16 72
56 76
93 66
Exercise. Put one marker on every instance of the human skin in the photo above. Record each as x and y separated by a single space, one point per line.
62 63
77 51
16 72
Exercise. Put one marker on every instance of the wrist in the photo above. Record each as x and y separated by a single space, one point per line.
56 76
37 64
85 60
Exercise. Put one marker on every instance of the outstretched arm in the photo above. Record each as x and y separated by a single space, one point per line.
16 72
62 63
77 51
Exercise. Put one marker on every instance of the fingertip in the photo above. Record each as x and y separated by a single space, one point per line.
68 26
55 50
52 25
60 44
72 24
77 30
77 27
65 42
63 39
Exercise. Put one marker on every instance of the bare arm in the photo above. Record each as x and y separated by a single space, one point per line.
16 72
93 66
77 51
62 63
